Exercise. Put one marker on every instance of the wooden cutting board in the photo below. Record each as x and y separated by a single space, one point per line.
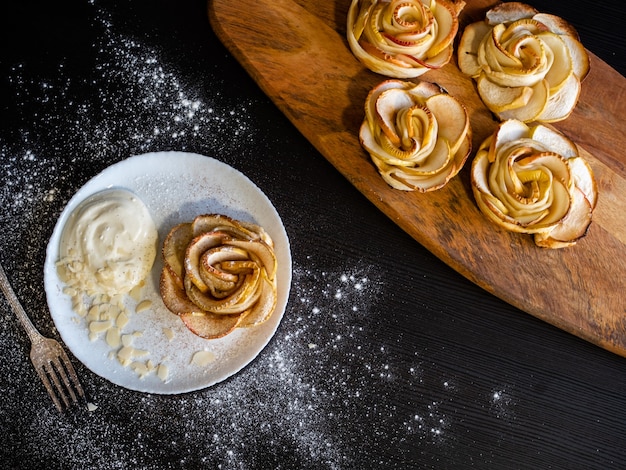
297 52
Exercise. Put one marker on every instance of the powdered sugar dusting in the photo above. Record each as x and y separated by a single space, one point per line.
68 127
131 102
293 400
320 378
305 398
502 404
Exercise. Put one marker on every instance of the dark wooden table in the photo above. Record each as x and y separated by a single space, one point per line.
385 358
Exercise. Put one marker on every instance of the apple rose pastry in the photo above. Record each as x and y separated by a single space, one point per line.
532 180
403 38
417 135
218 274
527 65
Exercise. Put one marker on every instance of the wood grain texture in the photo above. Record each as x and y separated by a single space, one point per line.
297 52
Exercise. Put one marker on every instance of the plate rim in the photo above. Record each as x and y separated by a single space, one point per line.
98 183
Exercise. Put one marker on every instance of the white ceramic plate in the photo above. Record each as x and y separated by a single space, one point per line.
176 187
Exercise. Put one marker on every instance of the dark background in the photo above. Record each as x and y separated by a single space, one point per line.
418 369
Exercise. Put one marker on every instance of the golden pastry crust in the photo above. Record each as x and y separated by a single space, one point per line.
417 135
219 274
527 65
532 180
403 38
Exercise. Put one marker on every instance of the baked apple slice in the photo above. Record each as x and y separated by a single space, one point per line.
219 273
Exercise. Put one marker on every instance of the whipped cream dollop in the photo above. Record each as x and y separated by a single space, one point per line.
108 244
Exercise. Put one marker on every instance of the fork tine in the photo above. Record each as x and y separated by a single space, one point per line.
56 372
44 378
70 378
54 375
46 354
56 363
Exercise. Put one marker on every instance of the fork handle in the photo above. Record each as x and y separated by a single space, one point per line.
32 332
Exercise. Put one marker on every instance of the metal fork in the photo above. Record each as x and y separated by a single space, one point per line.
47 355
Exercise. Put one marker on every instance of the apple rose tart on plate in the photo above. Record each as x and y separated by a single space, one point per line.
403 38
527 65
532 180
219 274
417 135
